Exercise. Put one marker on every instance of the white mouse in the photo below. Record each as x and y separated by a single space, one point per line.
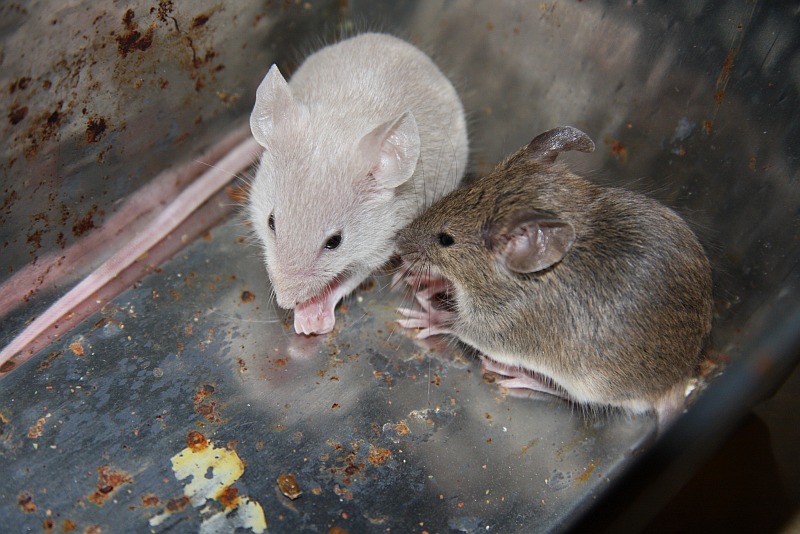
364 137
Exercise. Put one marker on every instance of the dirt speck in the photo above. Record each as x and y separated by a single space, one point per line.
107 483
95 129
150 500
25 501
196 441
17 113
378 455
288 486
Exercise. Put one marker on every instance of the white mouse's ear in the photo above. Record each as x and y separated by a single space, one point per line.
535 241
393 149
274 103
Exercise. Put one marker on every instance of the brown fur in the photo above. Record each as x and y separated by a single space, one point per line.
624 314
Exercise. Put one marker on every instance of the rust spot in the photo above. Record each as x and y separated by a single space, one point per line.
378 455
77 349
8 366
16 114
288 486
176 505
617 149
335 406
150 500
248 296
205 407
724 77
85 223
107 483
196 441
35 239
48 525
25 501
588 471
68 526
337 530
707 127
200 20
133 39
229 497
95 130
36 430
20 84
48 361
402 428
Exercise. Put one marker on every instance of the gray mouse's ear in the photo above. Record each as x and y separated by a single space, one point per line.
392 149
274 103
535 241
546 147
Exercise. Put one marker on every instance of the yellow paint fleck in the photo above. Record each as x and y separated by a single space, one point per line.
213 471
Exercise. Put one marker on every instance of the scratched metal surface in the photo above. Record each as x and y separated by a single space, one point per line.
696 103
380 433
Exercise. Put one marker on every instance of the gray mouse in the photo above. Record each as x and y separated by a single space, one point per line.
596 294
367 134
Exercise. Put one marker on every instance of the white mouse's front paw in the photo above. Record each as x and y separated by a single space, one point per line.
314 317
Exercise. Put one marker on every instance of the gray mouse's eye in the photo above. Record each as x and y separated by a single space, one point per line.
271 222
445 239
334 241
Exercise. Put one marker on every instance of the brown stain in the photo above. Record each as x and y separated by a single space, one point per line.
35 431
337 530
95 129
25 502
108 482
150 501
20 84
48 525
617 149
378 455
133 39
205 406
229 497
85 223
288 486
77 349
588 471
16 114
176 505
68 526
200 20
8 366
196 441
248 296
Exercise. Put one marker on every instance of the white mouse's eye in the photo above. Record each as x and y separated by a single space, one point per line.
271 222
334 241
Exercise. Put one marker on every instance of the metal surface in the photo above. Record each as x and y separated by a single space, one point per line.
695 103
380 433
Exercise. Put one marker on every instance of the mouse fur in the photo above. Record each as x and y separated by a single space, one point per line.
599 294
366 134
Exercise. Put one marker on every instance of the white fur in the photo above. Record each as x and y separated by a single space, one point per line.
367 133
